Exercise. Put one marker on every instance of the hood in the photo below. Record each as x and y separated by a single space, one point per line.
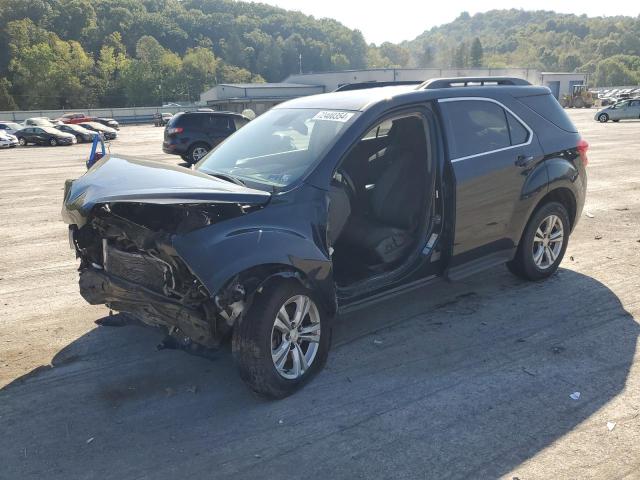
125 179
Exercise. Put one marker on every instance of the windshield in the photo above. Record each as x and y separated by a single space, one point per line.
97 126
278 147
13 126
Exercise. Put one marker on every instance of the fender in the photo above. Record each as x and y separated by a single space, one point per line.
218 253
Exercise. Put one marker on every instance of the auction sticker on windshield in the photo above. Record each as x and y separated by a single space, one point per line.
334 116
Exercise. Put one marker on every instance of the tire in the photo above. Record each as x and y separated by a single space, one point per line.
22 141
528 263
256 337
615 121
603 118
79 139
53 142
196 152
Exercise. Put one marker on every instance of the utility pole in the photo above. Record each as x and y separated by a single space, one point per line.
300 62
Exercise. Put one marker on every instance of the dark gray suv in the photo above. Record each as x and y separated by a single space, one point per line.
192 134
326 203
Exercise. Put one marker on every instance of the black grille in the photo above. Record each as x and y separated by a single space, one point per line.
135 267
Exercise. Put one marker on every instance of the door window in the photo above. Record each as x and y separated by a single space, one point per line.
476 127
221 124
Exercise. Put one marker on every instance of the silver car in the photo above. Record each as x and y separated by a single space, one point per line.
620 111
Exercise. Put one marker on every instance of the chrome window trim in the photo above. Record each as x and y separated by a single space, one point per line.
491 100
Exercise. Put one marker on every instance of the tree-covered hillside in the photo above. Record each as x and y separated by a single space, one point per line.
74 53
85 53
608 48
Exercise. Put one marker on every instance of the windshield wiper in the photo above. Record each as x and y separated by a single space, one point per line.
227 177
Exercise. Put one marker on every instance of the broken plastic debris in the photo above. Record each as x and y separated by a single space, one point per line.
90 440
377 342
598 236
575 395
280 422
589 214
611 425
192 389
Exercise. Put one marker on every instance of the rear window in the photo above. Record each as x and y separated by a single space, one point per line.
548 107
188 120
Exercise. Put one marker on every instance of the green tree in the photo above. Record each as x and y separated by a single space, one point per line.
477 53
6 100
199 67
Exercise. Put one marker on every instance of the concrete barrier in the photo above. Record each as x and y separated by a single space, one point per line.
129 115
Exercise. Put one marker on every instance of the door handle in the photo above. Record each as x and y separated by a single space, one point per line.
523 160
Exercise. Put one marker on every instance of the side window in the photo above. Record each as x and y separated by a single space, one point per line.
221 124
519 134
477 126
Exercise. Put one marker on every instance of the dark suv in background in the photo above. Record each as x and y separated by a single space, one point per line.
192 134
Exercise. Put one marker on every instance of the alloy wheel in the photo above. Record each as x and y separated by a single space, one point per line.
198 153
22 142
53 142
603 118
547 242
295 337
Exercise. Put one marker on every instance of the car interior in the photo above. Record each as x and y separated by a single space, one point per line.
378 199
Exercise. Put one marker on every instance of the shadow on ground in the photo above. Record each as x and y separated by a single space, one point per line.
452 381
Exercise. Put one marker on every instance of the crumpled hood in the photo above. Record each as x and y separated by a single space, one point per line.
125 179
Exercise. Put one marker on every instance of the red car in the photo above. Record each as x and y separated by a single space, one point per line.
75 118
82 118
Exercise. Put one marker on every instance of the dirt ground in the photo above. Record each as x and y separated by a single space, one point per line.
468 380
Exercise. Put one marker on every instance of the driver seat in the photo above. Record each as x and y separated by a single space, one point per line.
386 230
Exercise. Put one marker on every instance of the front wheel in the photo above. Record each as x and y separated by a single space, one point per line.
283 340
53 142
543 243
22 141
603 118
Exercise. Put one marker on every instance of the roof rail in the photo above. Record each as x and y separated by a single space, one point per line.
470 82
374 84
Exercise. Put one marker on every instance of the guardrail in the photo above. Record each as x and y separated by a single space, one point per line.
129 115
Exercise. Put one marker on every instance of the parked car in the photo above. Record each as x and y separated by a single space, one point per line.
10 127
107 132
108 122
44 136
82 134
192 134
74 118
627 109
7 140
161 119
326 203
38 122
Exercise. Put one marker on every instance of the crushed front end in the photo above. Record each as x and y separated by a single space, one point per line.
124 216
128 263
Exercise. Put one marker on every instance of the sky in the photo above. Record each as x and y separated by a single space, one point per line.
398 20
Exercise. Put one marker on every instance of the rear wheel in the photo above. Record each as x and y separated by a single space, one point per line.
603 118
196 152
543 243
53 142
283 340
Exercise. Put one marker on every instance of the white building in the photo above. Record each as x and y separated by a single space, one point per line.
259 97
262 96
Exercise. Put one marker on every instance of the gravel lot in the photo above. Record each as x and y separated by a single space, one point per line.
468 380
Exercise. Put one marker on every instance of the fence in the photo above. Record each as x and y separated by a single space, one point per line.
122 115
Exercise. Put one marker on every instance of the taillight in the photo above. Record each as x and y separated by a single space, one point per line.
174 130
582 148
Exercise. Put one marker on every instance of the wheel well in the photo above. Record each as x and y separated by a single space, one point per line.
563 196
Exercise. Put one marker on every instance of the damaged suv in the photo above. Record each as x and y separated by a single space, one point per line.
326 203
